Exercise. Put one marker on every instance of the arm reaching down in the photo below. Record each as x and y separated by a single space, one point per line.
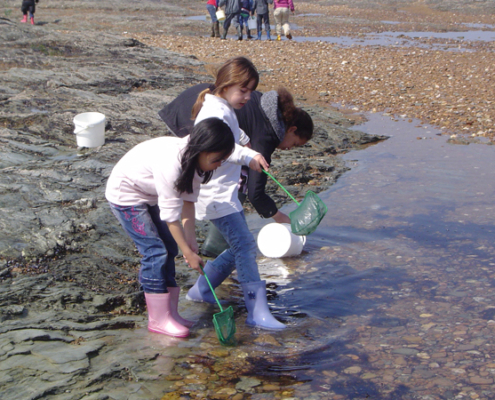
191 257
188 222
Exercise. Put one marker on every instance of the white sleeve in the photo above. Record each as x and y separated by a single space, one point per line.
243 139
169 200
242 155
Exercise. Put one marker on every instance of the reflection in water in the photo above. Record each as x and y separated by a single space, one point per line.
398 275
392 297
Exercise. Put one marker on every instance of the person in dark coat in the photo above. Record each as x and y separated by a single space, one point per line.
271 121
232 13
262 14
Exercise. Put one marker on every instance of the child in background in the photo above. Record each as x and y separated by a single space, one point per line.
246 6
281 15
28 6
212 7
218 200
150 190
263 14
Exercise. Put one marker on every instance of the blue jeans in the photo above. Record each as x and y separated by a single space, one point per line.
242 251
259 23
213 12
155 243
243 21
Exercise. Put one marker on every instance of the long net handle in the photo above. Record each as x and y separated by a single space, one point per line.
279 184
211 287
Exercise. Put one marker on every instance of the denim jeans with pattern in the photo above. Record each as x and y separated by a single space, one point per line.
155 243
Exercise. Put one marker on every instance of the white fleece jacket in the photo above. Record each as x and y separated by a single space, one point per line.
218 197
146 174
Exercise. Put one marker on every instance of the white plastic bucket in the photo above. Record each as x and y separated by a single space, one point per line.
90 129
252 23
277 241
220 15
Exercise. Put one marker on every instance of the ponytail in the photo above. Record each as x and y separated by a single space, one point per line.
286 106
294 116
199 103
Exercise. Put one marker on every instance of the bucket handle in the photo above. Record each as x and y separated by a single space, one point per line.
84 128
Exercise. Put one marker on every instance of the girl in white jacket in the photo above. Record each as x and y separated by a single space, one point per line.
218 199
152 191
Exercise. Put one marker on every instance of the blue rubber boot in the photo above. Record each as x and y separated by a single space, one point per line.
257 306
201 292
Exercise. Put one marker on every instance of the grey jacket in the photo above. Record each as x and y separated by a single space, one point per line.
261 6
231 6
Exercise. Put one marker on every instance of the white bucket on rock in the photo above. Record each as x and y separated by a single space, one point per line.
90 129
252 23
277 241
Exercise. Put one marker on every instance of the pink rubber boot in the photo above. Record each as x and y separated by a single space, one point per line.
24 19
32 20
174 305
160 319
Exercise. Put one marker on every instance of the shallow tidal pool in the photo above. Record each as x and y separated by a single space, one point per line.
391 298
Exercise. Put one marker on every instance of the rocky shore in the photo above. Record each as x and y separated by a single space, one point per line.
69 299
69 296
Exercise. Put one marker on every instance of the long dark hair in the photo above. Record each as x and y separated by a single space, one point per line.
211 135
236 71
294 116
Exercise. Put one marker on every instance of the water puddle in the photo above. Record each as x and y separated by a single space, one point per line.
309 15
199 18
408 39
394 290
479 26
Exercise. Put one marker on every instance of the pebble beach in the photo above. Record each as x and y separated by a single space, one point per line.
443 82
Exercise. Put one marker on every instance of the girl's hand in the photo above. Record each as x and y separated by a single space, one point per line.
194 261
281 218
258 163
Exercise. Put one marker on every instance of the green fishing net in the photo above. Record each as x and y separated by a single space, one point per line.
225 326
306 217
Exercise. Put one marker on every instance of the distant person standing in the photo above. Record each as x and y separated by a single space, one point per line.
232 12
262 14
212 7
28 6
246 7
281 15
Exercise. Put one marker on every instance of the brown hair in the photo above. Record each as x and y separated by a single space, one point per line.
304 124
294 116
236 71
